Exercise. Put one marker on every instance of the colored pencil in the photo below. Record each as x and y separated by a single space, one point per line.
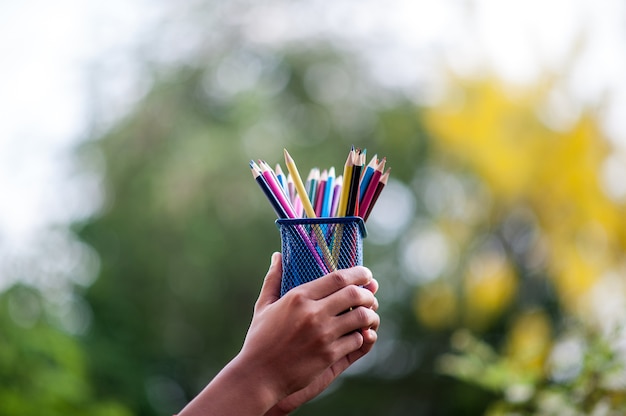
353 194
291 190
367 175
256 173
327 200
336 195
308 209
297 181
345 188
371 189
381 184
284 210
297 207
282 180
312 184
272 182
321 191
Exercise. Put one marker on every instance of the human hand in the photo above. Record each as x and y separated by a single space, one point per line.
309 321
319 384
296 345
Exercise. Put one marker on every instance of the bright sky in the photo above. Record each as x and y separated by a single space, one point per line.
47 50
48 47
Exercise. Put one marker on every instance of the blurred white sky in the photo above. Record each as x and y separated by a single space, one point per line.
48 48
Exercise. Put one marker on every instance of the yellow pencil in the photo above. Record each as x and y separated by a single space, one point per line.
308 209
345 188
297 181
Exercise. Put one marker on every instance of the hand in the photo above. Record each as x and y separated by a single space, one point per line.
296 345
318 385
317 328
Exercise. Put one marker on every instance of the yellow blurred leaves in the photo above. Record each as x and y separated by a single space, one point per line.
436 306
488 289
482 126
529 342
490 285
500 136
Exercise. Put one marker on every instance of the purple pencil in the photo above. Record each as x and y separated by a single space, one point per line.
336 195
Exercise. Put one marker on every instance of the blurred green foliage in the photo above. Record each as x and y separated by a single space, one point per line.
585 379
473 250
43 370
186 235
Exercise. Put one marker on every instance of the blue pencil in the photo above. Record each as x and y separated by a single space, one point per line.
328 193
278 208
367 175
282 180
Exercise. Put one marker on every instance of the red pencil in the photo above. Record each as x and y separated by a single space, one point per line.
371 188
381 184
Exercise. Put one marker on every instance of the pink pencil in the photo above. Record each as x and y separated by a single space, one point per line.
371 189
274 186
297 207
336 195
277 190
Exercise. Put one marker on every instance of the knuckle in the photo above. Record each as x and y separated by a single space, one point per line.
376 321
354 293
340 279
327 353
362 315
361 296
364 272
357 339
311 322
297 298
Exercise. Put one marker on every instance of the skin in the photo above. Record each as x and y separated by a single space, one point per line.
296 345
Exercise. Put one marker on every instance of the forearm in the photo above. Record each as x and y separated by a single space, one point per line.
235 391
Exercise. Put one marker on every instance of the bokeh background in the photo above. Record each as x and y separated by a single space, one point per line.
133 239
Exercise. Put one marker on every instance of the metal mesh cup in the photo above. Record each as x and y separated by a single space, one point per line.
313 247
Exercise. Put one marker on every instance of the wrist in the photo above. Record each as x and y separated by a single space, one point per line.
254 382
236 390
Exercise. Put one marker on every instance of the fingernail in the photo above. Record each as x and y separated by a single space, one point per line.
274 258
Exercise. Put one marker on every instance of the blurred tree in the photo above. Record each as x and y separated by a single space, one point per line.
186 235
550 211
555 174
493 222
42 368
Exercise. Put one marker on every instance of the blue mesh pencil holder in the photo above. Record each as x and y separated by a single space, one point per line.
313 247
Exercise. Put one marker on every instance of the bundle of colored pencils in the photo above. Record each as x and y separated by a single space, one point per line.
324 195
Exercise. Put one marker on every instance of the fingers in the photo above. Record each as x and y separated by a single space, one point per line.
270 291
347 344
369 339
349 297
372 286
370 336
356 319
332 282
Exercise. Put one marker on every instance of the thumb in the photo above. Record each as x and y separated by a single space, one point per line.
270 291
